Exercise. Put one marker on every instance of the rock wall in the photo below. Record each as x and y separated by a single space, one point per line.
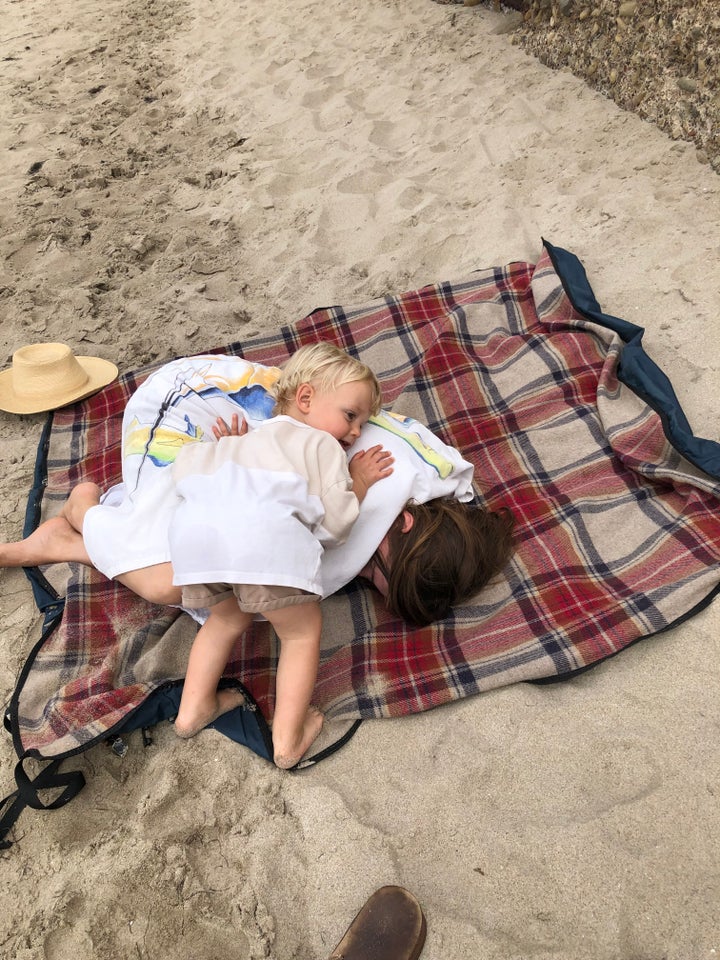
657 58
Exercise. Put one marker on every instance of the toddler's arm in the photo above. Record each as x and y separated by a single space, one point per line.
369 466
236 429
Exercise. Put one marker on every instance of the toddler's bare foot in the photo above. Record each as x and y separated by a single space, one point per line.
54 541
288 754
191 720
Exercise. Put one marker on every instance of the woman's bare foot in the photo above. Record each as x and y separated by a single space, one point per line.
54 541
194 718
58 540
288 754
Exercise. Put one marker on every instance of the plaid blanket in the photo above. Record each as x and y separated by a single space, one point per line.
568 424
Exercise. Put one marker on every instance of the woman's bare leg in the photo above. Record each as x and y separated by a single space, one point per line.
201 701
154 584
296 724
54 541
82 497
58 540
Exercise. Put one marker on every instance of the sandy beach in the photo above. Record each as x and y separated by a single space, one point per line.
179 175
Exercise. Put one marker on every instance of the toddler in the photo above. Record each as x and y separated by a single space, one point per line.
254 515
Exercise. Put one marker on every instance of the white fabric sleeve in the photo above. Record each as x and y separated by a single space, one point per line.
425 468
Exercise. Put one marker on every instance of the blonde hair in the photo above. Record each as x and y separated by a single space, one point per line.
326 367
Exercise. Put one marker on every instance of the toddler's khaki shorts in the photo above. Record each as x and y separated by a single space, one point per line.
251 597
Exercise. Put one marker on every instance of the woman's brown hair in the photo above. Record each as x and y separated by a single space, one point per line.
449 554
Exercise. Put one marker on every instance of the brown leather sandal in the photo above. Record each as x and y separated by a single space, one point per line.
390 926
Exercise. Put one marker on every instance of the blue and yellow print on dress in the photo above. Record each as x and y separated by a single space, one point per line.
407 429
195 395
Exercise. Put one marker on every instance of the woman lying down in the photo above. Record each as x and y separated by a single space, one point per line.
231 531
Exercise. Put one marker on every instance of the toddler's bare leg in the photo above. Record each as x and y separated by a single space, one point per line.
296 724
201 701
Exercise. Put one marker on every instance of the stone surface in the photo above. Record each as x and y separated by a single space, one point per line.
659 59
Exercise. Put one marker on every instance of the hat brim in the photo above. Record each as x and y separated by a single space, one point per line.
100 373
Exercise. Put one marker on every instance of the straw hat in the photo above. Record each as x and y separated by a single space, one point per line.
45 376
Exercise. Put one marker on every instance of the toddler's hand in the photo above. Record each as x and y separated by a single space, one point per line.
236 429
369 466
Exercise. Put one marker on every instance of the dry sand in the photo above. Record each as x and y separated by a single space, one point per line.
209 171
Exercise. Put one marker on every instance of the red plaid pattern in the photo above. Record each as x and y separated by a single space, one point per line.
618 537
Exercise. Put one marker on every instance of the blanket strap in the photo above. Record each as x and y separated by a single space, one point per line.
26 795
340 742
